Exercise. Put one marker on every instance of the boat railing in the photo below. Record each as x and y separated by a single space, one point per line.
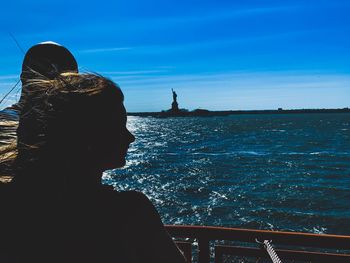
205 244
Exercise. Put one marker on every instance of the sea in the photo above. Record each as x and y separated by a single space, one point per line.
266 171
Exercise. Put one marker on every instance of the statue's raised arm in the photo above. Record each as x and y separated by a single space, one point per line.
174 95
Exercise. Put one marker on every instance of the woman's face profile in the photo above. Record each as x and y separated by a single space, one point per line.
117 138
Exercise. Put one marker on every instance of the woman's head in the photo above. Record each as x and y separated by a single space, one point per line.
47 59
72 121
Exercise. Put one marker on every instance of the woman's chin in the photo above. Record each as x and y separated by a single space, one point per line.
120 164
115 164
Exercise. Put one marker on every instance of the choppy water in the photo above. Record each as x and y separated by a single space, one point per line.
281 172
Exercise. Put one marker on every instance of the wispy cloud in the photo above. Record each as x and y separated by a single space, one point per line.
131 23
12 97
239 90
195 46
9 77
107 49
238 80
229 13
133 73
10 100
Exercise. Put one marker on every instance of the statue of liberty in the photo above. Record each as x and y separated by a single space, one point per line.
174 95
174 104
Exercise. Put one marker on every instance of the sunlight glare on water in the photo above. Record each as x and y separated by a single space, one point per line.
281 172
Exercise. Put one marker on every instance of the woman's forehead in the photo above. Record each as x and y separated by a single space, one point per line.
118 111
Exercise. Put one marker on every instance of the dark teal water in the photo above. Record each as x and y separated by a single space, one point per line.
281 172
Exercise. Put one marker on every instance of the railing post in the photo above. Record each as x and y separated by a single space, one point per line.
204 251
186 248
217 255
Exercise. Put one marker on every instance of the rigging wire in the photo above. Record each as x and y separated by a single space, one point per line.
9 92
17 44
22 50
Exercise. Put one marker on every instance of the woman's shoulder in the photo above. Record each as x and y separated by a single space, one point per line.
6 192
133 205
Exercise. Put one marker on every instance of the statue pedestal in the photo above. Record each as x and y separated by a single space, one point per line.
174 106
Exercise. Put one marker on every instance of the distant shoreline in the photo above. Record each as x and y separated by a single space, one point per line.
10 114
207 113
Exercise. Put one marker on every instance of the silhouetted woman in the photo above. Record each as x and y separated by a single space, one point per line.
72 127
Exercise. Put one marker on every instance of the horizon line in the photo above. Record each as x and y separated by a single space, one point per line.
246 110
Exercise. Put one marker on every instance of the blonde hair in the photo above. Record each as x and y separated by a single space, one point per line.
53 111
8 149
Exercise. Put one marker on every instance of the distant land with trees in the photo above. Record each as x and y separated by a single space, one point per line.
208 113
175 111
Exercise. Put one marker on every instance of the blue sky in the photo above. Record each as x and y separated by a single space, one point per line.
218 55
